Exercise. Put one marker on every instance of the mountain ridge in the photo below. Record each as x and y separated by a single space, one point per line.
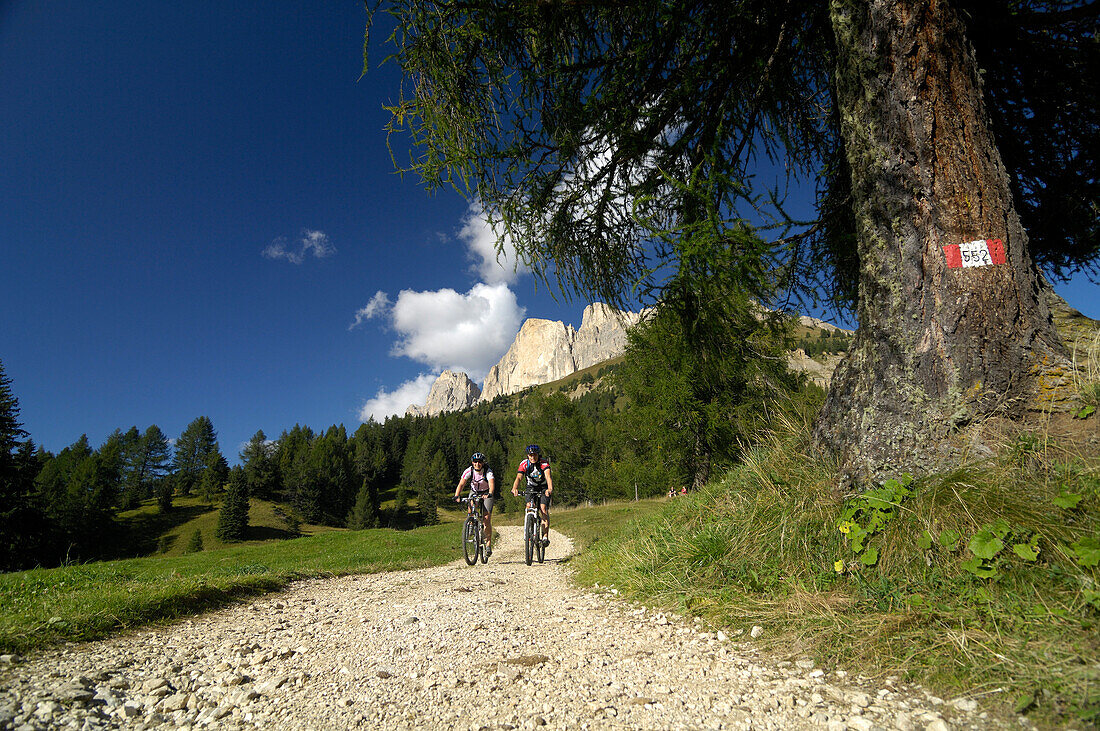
545 351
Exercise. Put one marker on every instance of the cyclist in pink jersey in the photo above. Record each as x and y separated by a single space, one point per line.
482 485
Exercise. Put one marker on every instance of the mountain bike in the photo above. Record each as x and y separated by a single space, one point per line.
532 533
473 540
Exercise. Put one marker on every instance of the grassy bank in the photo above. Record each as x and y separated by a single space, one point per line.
981 581
46 606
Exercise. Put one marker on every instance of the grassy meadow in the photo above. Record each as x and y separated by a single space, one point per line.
87 601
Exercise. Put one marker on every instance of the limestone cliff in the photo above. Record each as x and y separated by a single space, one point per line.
602 335
545 351
450 392
542 352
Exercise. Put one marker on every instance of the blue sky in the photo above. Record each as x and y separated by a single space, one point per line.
199 216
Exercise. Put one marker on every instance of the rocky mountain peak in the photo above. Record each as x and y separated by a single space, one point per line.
543 351
602 335
451 392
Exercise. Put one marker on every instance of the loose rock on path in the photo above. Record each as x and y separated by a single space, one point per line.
496 646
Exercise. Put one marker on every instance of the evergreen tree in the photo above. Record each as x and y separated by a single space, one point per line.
22 524
146 462
554 423
698 406
364 514
213 477
76 489
429 489
112 457
336 475
369 460
233 516
195 445
129 470
195 544
291 456
11 430
399 513
165 489
260 468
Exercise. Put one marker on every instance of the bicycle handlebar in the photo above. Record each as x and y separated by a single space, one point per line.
471 498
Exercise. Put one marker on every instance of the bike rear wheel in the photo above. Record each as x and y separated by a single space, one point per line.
530 534
471 545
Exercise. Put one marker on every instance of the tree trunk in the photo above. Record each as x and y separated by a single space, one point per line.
939 346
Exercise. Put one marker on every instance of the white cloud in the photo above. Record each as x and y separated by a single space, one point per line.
389 403
378 306
315 243
481 245
465 332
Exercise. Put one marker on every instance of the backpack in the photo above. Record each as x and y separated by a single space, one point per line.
495 492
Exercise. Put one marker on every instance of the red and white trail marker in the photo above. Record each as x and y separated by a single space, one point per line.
981 253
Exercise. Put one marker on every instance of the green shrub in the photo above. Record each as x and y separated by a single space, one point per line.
194 545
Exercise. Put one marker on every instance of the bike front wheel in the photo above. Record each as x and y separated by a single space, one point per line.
530 535
470 542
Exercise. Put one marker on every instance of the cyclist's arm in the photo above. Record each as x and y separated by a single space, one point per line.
515 485
549 482
492 483
461 482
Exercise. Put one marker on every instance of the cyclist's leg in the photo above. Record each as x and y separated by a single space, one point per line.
487 502
544 514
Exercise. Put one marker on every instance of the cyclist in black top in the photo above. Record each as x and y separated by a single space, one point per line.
537 470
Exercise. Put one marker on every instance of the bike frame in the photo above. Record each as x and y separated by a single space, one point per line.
475 521
533 543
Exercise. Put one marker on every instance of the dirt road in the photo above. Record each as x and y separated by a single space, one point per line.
496 646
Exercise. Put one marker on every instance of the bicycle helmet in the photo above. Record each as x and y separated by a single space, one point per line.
478 457
533 449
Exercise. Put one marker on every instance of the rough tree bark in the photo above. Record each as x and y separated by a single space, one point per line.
938 347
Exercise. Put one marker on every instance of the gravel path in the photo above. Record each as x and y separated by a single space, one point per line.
496 646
